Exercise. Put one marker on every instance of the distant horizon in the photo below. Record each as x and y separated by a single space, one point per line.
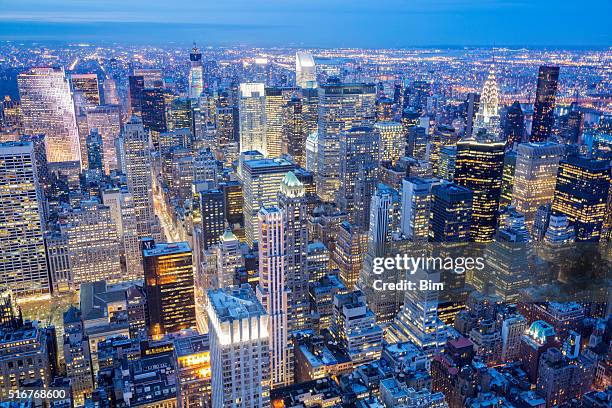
545 24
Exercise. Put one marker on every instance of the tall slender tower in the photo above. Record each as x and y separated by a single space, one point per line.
488 110
139 179
544 106
252 114
276 101
292 202
47 108
196 81
273 291
305 70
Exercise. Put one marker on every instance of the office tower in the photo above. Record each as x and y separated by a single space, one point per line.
310 110
559 232
294 132
22 249
354 327
488 109
341 107
572 125
136 85
168 281
514 125
472 103
535 177
479 167
446 165
106 119
261 183
239 348
109 89
581 193
417 145
77 356
95 155
305 70
93 244
10 115
384 222
252 113
152 77
312 153
47 108
137 168
234 202
228 132
451 213
87 86
358 172
196 80
192 352
212 207
229 258
317 262
122 212
276 101
416 96
392 141
292 203
561 379
273 292
508 171
544 104
349 252
154 113
178 114
384 110
512 328
416 206
29 356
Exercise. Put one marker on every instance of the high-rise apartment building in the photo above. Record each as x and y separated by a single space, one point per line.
47 108
544 105
23 267
273 291
168 284
239 348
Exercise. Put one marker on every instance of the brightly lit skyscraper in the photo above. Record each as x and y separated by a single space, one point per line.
23 267
488 110
196 82
252 113
305 70
47 108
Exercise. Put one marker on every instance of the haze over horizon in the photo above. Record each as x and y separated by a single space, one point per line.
315 23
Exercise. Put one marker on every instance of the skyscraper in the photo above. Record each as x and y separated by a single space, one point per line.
392 141
581 193
294 132
488 109
136 85
416 206
273 292
276 105
472 106
479 167
93 244
86 86
349 252
212 207
292 202
196 81
544 105
168 281
535 177
154 113
229 257
451 213
239 348
341 107
359 157
137 168
47 107
107 120
252 112
305 70
23 267
261 183
514 126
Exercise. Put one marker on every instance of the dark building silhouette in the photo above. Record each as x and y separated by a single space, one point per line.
514 126
544 105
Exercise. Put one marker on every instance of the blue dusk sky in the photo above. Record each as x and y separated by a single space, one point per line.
316 23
